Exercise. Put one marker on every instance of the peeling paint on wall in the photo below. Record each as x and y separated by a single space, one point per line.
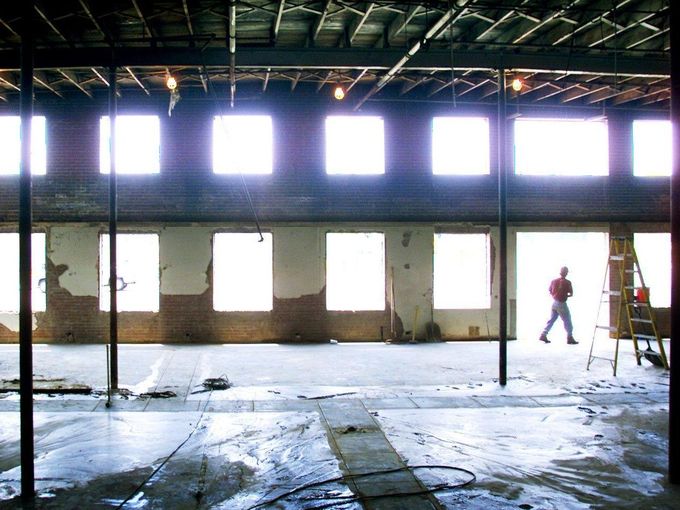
11 322
76 248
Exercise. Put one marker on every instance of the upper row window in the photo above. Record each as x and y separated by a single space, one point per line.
243 144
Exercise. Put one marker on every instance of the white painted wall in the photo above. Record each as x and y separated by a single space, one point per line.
185 255
77 247
409 252
299 261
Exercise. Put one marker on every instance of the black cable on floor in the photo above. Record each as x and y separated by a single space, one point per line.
165 461
349 499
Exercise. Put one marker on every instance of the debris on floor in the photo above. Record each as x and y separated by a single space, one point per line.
214 384
322 397
158 394
46 386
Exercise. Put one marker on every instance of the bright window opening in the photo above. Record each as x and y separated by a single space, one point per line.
652 148
138 142
242 144
242 272
654 256
355 145
561 147
137 271
355 271
9 273
460 146
10 145
461 271
540 255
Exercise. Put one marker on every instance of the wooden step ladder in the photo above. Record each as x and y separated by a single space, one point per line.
635 315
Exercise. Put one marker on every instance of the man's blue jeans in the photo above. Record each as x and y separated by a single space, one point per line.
559 309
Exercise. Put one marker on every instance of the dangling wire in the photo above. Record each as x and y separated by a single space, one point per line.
453 71
246 191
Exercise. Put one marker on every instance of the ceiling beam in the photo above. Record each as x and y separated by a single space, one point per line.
134 77
555 15
449 17
359 22
42 80
93 19
617 32
145 23
9 84
320 20
590 23
400 21
277 21
187 17
49 23
356 80
9 28
342 59
70 77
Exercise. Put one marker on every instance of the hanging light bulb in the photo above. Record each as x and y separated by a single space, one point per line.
339 93
517 84
170 82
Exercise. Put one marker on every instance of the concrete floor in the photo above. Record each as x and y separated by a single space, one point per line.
344 426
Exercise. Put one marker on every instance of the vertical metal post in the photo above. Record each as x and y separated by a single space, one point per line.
503 233
674 404
25 226
113 227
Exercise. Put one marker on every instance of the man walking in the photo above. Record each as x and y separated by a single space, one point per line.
560 289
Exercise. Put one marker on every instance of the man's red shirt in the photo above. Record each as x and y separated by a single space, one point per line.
560 289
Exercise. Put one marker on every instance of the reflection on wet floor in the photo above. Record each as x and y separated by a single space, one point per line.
273 436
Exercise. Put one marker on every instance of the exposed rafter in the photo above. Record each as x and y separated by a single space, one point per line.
93 19
140 14
70 77
318 24
187 17
400 22
450 16
277 20
49 23
40 79
359 22
137 80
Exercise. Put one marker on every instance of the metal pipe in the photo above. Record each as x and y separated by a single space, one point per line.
674 395
25 227
113 227
503 232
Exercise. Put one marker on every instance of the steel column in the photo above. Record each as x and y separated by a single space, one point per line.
25 227
503 232
113 227
674 404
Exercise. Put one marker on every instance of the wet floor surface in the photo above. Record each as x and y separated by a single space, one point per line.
343 426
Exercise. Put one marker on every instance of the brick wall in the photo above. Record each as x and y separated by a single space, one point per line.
299 190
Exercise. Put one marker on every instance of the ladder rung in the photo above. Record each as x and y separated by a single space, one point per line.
646 321
616 257
645 337
632 271
612 292
608 328
601 357
639 304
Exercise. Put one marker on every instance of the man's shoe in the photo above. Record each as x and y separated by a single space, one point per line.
544 338
571 341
